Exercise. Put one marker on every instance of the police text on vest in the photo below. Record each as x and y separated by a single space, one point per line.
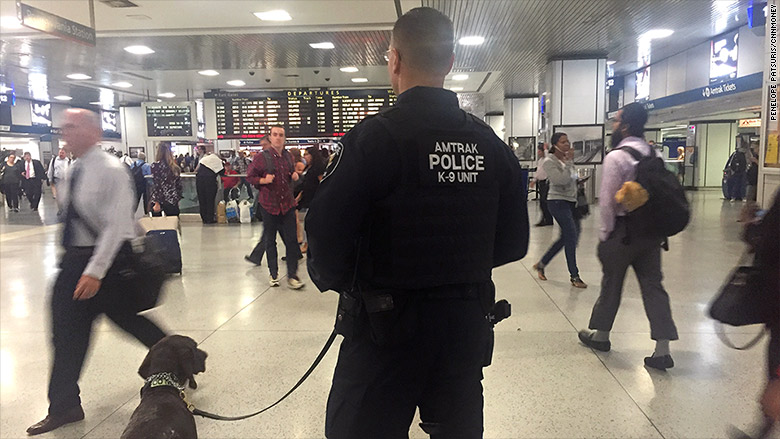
456 162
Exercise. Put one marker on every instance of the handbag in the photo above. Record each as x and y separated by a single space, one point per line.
742 299
138 272
582 208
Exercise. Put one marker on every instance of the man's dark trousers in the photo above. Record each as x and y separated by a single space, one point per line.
32 189
435 365
283 224
544 189
72 327
616 254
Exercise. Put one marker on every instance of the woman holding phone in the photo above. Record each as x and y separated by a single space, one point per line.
562 200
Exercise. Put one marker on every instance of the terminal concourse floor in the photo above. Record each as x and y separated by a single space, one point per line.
543 383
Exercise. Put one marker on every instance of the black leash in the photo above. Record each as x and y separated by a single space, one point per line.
325 349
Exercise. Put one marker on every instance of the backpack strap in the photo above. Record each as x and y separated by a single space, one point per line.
270 167
634 153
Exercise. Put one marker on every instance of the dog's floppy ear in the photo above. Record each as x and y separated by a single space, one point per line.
145 365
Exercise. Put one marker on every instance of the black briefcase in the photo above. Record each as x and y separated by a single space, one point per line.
743 299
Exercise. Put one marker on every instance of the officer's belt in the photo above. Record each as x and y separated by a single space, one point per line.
458 291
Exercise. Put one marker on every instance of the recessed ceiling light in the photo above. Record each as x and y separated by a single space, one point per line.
78 76
236 83
359 79
275 15
208 72
349 69
94 103
471 41
10 22
456 88
159 100
122 84
139 50
656 34
166 95
609 63
323 45
63 98
460 77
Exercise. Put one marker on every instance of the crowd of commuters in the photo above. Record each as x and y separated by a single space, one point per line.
416 298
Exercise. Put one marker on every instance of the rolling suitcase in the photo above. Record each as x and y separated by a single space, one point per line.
169 242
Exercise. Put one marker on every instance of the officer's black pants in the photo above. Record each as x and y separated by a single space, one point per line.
438 368
72 327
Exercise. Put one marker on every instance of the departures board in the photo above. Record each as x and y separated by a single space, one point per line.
304 113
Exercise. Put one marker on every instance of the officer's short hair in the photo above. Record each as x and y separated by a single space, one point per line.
634 118
425 39
271 128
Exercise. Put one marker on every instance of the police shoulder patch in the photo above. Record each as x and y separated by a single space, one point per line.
333 160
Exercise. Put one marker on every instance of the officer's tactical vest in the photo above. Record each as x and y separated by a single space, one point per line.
438 226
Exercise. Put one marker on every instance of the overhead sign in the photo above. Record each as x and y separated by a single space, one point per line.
7 99
43 21
739 85
750 123
170 121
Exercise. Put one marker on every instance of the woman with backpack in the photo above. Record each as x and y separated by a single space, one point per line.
167 190
562 201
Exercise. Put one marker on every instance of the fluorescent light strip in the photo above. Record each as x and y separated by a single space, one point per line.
208 73
139 50
275 15
349 69
324 45
359 79
473 40
236 83
122 84
78 76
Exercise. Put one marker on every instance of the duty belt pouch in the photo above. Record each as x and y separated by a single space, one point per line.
391 317
347 315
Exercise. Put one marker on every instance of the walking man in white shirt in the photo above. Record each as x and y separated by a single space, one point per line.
98 203
57 170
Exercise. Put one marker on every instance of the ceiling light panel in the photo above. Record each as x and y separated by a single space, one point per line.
275 15
349 69
139 50
473 40
122 84
324 45
359 79
166 95
236 83
63 98
79 77
460 77
208 73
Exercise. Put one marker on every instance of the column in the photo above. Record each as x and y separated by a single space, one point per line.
521 126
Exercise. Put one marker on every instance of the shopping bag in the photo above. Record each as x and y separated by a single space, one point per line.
231 211
245 212
221 213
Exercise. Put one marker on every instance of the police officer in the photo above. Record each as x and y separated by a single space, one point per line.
418 206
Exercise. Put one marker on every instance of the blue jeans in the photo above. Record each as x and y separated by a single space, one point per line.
563 212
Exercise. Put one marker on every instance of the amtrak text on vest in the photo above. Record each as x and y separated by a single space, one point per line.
455 161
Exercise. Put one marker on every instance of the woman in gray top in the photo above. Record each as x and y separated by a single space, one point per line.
561 200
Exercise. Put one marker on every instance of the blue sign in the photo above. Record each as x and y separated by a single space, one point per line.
746 83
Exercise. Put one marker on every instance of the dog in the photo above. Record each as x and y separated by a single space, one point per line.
167 368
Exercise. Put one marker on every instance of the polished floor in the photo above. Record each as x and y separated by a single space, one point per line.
543 383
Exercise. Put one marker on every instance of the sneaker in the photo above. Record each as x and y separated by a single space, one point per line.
539 272
274 281
294 284
661 363
578 283
586 337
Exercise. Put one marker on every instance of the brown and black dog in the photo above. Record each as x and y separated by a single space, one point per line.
162 413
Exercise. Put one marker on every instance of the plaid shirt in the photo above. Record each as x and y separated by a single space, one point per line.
277 197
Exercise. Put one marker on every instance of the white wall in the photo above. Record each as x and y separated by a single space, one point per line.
21 113
751 48
658 75
497 123
521 117
675 74
132 127
715 142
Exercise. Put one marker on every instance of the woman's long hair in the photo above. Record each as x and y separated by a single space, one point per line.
316 158
164 155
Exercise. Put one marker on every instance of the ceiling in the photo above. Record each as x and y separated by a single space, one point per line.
189 36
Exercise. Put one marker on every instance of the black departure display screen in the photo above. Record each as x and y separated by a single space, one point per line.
169 120
304 113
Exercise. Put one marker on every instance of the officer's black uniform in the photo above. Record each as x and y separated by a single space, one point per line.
434 201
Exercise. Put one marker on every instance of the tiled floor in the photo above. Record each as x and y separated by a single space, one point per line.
542 384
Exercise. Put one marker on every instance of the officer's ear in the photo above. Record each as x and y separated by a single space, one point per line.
452 62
